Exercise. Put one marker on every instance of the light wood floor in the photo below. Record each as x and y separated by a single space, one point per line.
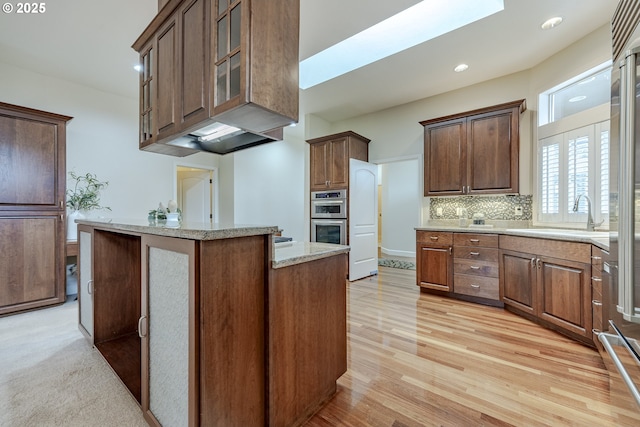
421 360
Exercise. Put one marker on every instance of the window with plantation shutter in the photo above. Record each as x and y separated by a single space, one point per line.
569 164
550 172
578 167
603 133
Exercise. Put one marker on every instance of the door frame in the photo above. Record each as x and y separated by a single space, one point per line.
423 204
215 187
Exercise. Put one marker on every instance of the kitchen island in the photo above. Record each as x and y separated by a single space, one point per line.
213 324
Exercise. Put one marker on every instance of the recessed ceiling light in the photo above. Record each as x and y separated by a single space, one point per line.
577 98
137 67
550 23
460 68
419 23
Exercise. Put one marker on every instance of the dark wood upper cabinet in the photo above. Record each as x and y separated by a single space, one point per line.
217 61
329 159
32 208
475 152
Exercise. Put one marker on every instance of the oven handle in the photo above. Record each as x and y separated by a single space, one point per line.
328 202
328 221
606 339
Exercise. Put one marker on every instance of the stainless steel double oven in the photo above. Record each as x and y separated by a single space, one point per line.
329 216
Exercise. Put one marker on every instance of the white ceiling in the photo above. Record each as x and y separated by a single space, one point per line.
89 42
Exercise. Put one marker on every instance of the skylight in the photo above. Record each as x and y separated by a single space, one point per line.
417 24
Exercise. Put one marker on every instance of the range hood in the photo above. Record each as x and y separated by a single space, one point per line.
220 138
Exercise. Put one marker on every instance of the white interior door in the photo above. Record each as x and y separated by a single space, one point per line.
194 193
363 219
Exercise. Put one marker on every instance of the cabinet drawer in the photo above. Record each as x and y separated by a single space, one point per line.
475 268
477 286
596 312
598 256
473 239
435 237
478 254
596 286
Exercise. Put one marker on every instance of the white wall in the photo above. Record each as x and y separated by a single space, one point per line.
102 138
270 187
400 207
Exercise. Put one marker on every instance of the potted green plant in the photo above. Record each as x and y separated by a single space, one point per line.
83 197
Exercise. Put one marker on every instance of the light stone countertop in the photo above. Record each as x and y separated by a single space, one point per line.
285 253
598 238
184 230
291 253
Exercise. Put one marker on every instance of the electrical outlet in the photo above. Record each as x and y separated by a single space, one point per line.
518 211
439 211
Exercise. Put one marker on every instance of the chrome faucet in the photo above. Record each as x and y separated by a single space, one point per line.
590 224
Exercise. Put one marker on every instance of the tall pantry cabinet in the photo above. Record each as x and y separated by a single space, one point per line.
32 208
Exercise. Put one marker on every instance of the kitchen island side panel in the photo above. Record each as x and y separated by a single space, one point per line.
307 337
232 331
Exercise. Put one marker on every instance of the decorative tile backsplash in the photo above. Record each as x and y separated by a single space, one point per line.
493 207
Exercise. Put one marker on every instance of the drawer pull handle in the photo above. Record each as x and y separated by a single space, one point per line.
474 253
596 331
596 257
475 286
474 240
433 237
596 279
140 334
596 302
474 267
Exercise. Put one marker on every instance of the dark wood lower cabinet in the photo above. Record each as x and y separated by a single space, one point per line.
518 279
32 263
553 289
434 257
435 267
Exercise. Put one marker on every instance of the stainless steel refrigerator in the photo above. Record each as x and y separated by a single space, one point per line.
621 272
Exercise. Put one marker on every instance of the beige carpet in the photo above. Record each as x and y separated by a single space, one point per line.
51 376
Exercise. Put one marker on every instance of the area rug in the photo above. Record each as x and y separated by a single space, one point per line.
396 263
